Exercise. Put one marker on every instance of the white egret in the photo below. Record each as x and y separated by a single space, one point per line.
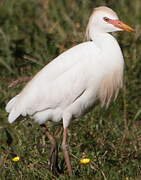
69 86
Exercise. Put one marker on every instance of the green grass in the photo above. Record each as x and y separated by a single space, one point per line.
110 138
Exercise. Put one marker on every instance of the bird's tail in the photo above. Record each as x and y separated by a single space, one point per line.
14 109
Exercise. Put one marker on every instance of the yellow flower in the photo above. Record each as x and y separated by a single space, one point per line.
15 159
85 161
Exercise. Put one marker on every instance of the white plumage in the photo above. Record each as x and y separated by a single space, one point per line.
68 86
71 84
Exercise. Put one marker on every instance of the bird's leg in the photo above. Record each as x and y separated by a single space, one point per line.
53 160
65 151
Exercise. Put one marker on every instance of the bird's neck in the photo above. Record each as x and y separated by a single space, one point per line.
100 35
104 40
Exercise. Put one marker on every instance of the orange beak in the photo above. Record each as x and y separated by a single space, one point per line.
119 24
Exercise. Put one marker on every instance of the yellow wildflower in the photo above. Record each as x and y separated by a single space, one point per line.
85 161
15 159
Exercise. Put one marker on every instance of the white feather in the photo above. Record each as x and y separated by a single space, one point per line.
69 85
10 104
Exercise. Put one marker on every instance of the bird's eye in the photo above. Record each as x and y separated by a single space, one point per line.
106 19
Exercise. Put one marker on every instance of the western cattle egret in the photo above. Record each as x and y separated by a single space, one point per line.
69 85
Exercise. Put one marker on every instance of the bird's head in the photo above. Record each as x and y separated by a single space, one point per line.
103 20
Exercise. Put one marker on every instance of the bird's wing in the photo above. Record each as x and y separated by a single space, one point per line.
59 82
64 62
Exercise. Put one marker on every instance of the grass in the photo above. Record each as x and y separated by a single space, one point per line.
111 138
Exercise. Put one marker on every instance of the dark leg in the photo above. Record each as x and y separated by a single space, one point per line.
65 152
53 160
